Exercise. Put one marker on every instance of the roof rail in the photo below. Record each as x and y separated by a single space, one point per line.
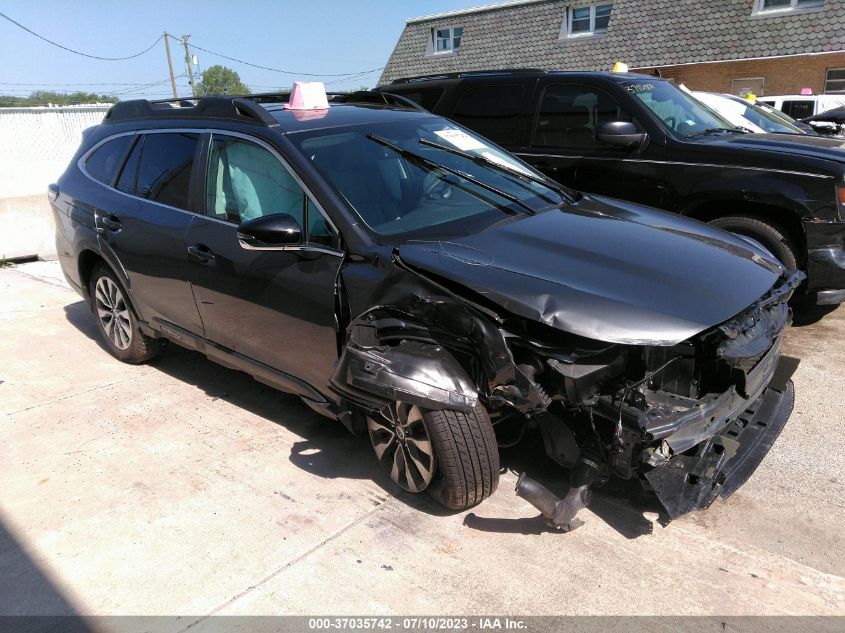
231 108
372 96
471 73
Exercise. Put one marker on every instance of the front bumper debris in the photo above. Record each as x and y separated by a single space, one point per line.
725 461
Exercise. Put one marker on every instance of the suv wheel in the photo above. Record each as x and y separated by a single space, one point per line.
116 322
769 235
451 454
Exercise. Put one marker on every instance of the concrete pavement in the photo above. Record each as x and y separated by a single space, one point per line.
181 487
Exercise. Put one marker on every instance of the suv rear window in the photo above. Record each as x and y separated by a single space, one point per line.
164 174
106 160
492 111
798 109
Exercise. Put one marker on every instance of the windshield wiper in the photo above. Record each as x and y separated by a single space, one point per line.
482 160
713 130
431 164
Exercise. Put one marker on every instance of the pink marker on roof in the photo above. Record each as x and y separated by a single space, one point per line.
307 95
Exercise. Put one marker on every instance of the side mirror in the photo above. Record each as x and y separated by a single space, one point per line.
619 134
270 232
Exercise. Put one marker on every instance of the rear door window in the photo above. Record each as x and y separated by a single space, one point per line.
492 111
126 181
164 174
107 159
799 108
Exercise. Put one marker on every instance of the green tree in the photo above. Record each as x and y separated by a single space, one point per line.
220 80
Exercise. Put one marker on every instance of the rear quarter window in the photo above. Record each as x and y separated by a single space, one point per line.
106 160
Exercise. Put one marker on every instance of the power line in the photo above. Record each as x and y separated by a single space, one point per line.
108 59
113 83
275 70
143 87
353 77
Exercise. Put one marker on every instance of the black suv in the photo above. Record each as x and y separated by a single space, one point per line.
405 276
640 138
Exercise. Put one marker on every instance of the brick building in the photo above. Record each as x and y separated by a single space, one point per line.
767 46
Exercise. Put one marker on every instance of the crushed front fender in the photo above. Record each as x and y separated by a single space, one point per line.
419 373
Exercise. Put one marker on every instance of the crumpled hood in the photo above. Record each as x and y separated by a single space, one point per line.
606 270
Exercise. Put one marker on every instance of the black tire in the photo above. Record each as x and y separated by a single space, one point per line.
124 340
467 457
769 235
450 454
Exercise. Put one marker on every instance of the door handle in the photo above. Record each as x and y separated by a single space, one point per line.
201 253
110 223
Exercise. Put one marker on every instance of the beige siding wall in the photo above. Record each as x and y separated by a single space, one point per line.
36 145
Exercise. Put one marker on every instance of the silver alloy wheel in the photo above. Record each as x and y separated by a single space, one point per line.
113 313
403 446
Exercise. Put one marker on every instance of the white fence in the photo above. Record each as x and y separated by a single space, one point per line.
36 145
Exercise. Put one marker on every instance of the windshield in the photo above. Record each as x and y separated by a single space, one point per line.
764 119
729 109
678 111
410 176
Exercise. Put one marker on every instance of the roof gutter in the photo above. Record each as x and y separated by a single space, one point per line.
471 10
738 59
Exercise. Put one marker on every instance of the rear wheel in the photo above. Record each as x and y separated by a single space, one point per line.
451 454
769 235
116 322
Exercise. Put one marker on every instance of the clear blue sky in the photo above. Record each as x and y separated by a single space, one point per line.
306 36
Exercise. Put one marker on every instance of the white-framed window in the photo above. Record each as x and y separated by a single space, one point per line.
589 20
780 7
834 81
447 40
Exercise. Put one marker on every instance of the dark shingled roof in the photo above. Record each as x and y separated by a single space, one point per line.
642 33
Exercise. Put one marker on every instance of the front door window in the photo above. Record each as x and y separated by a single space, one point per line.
569 115
246 181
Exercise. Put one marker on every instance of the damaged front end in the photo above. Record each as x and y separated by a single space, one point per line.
690 420
693 420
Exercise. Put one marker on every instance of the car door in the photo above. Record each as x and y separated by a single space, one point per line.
276 307
143 228
564 147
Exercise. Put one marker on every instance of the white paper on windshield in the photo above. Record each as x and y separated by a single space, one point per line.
494 158
461 140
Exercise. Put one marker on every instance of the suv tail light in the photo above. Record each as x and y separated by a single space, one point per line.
840 200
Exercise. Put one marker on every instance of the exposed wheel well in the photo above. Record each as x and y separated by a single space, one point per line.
88 260
788 221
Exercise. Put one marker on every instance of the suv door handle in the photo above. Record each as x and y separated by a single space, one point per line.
201 253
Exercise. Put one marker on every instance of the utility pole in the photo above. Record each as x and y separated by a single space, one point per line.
189 65
170 63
